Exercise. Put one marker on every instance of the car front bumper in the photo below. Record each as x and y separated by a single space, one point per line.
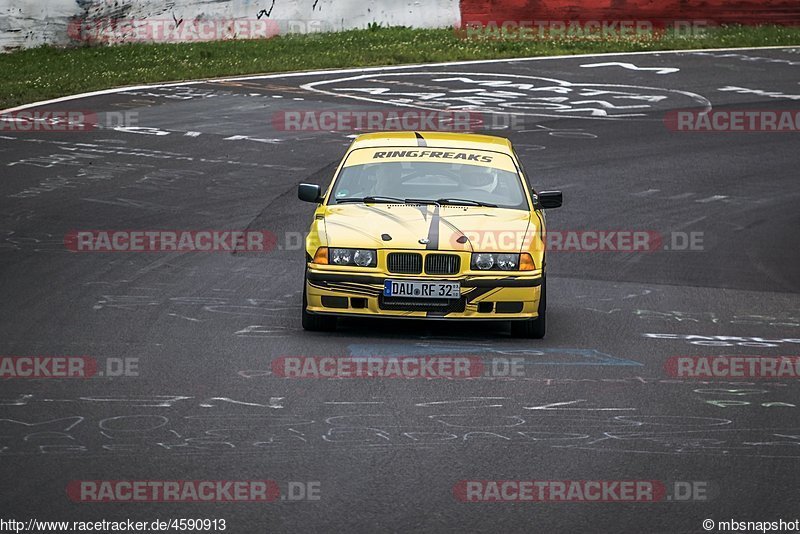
499 296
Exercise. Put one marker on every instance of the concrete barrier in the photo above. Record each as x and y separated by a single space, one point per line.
29 23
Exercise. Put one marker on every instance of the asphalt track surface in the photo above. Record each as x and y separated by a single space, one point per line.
594 402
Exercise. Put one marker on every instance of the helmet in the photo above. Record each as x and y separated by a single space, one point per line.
474 177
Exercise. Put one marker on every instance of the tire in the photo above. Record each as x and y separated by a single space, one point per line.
313 322
533 328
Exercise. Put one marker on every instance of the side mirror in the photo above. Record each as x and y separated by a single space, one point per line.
309 193
551 199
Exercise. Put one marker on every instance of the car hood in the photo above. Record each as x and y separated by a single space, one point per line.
454 228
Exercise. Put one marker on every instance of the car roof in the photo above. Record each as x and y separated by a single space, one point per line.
433 140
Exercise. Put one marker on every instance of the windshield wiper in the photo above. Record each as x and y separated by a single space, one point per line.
392 200
421 201
370 200
464 202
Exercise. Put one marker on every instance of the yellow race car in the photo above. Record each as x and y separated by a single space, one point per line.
428 226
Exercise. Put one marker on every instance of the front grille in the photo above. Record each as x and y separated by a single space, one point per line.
442 264
404 262
422 305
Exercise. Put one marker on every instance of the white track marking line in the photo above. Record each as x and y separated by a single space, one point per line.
631 66
371 69
312 86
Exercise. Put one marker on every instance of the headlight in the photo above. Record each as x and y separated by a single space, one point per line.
341 256
508 262
352 256
483 261
364 258
502 262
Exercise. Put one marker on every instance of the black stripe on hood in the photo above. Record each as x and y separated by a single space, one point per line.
433 231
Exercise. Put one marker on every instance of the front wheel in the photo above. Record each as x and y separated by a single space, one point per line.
313 322
533 328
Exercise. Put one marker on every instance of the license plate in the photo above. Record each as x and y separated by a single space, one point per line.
422 290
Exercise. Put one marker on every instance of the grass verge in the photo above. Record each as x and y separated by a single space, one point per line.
49 72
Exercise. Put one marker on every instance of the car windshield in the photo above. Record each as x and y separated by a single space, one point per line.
419 179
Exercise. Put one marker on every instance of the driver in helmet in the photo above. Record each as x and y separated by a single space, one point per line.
475 178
